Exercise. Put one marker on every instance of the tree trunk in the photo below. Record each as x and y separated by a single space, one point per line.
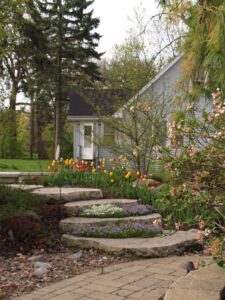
38 133
59 96
12 121
32 135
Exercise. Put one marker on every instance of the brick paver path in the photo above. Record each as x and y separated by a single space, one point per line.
144 279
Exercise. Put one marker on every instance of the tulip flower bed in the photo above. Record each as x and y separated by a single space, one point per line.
120 181
116 211
120 230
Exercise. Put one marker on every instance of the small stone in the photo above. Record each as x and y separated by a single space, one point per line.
39 264
76 256
188 266
35 258
40 272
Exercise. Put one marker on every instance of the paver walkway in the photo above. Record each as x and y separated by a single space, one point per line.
145 279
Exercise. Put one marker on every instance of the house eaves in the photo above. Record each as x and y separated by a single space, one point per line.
148 85
82 118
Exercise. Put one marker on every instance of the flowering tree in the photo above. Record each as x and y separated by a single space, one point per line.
198 167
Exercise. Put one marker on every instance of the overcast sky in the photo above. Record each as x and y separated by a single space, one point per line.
114 19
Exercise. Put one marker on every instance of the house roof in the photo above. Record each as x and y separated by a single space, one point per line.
150 83
92 102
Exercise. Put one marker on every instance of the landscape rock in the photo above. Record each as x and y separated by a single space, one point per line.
188 266
173 244
69 194
73 208
40 272
206 283
69 224
39 264
76 256
36 258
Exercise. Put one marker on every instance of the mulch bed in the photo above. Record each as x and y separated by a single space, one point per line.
16 272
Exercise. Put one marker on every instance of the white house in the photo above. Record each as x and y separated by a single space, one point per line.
87 123
84 112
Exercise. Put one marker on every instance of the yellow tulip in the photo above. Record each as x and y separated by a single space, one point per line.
105 172
128 175
111 174
112 180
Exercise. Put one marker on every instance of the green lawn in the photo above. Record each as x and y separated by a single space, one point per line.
23 165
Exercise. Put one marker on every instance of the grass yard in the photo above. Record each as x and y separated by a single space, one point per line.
23 165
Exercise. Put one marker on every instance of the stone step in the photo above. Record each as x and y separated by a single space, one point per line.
73 208
205 283
173 244
69 224
15 177
25 187
69 194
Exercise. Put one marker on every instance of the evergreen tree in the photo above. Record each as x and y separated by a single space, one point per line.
70 28
204 43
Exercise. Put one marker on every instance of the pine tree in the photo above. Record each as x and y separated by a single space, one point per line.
70 28
204 43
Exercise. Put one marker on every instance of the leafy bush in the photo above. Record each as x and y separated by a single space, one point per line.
22 230
183 208
198 168
27 220
52 213
17 202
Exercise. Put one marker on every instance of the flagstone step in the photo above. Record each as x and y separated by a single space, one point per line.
73 208
69 224
206 283
69 193
25 187
173 244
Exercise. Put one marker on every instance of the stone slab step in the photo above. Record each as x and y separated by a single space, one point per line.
69 194
69 224
28 187
73 208
174 244
15 177
206 283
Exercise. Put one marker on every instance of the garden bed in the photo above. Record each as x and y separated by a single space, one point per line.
118 230
17 271
116 210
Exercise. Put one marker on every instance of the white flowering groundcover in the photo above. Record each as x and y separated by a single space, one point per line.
103 210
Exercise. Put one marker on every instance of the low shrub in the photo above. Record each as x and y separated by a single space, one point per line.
22 230
52 213
26 221
185 209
